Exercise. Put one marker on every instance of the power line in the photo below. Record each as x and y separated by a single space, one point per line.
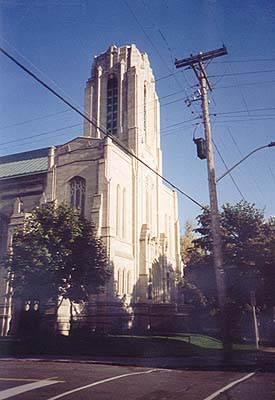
240 153
221 75
69 127
34 119
245 84
180 123
224 74
251 119
40 134
35 67
180 129
65 111
27 142
226 167
272 174
243 73
105 133
145 33
160 98
245 61
244 111
156 49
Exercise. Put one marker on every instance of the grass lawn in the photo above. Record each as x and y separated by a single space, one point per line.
202 341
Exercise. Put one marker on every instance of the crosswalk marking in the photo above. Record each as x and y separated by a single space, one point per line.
230 385
103 381
5 394
27 380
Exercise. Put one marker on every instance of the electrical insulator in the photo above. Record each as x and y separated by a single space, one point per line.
201 148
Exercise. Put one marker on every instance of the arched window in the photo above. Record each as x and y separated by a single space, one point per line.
77 193
112 102
118 211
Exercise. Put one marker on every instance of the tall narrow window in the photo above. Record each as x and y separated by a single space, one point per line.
77 193
119 282
145 111
118 211
170 234
112 102
124 210
128 282
123 281
148 205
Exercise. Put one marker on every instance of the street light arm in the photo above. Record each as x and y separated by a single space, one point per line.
272 144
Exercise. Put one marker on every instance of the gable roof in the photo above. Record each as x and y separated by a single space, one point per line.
27 163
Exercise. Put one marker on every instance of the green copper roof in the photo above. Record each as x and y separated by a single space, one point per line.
27 163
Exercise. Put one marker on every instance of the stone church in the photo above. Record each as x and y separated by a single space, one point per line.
130 207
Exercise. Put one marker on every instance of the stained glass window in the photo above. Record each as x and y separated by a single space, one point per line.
77 193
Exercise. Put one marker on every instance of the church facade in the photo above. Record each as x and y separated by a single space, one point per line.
102 175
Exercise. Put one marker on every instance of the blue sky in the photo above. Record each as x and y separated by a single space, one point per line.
57 39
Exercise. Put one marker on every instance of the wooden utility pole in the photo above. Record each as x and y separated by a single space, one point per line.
197 63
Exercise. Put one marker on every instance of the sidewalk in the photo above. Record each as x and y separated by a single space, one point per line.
264 358
248 362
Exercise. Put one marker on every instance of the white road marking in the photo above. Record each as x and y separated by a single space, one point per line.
29 379
5 394
230 385
100 382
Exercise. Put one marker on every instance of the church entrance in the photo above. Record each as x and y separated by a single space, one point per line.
29 319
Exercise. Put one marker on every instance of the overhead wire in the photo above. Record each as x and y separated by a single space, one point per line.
244 111
237 83
219 75
225 165
242 73
103 131
246 61
161 105
40 134
272 174
156 49
73 126
36 68
34 140
245 84
34 119
213 141
227 168
66 111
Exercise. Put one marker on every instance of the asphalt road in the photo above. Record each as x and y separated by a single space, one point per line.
48 380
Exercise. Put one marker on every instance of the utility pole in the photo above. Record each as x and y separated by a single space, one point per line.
197 64
255 322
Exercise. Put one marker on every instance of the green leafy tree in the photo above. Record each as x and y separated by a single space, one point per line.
56 254
248 245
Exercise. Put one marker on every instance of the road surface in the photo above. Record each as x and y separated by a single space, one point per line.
48 380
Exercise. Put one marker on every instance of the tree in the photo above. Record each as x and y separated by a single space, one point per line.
247 239
186 242
56 255
248 245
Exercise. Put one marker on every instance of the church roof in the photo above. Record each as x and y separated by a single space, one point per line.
27 163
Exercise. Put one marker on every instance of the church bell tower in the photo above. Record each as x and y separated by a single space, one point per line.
120 98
